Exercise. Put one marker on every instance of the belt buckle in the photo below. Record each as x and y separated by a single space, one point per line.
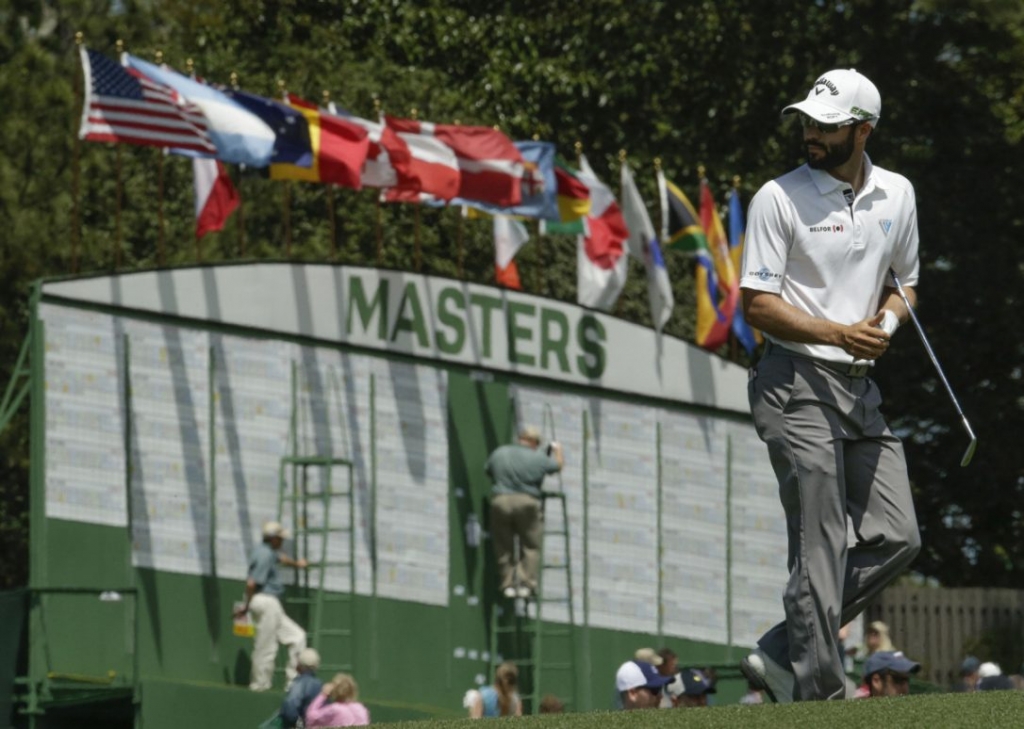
858 370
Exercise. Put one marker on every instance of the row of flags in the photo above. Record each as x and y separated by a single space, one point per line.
476 167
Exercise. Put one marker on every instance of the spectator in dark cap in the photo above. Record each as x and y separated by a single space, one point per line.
968 680
887 673
639 685
691 689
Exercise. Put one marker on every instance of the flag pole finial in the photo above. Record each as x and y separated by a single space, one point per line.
79 38
736 181
159 55
622 156
190 66
657 163
234 79
376 104
456 122
414 113
701 170
327 97
536 136
119 46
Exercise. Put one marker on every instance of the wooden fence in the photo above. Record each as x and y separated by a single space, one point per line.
938 627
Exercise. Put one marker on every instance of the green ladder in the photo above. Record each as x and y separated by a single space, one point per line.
527 639
328 617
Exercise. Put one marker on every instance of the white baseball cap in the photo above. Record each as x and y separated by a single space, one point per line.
839 96
639 674
274 529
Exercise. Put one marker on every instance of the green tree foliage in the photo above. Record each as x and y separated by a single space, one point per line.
692 83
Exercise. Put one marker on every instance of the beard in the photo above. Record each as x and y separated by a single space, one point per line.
834 154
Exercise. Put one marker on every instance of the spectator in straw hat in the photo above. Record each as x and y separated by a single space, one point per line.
876 638
517 473
263 591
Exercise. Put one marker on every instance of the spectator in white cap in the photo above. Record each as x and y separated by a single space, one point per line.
639 685
263 591
517 473
303 690
887 673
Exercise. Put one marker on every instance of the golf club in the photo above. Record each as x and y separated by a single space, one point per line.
969 453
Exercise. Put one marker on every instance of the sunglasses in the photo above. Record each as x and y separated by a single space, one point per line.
807 122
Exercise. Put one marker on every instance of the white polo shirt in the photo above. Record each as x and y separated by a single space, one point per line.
828 258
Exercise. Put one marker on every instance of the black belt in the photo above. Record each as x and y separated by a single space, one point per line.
849 369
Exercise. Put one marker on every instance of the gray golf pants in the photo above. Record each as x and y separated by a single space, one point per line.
834 457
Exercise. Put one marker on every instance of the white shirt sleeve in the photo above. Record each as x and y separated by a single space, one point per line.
905 258
767 243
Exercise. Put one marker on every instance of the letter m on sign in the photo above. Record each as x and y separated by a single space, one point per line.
357 304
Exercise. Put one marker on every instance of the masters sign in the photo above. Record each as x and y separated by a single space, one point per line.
425 317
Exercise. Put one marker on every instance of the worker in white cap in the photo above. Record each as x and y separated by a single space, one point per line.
263 591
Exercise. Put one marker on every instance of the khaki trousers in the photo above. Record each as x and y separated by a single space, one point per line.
515 515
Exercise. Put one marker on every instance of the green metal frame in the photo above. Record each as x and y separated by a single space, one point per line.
299 495
19 385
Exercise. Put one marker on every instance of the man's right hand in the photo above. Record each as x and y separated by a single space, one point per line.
865 340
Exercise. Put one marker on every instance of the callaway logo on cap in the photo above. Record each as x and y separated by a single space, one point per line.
839 96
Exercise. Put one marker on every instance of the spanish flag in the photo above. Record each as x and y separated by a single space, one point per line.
573 194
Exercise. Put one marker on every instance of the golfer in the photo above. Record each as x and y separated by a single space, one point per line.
820 242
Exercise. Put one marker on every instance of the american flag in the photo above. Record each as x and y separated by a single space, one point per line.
123 105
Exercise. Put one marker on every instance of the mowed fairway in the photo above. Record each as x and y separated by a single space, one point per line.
983 710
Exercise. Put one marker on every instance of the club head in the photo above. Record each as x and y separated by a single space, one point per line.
969 453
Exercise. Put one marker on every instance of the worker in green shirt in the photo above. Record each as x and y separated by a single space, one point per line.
517 473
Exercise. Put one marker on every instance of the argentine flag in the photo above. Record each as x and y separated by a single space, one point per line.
240 136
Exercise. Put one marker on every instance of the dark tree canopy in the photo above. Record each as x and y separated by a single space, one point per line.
695 83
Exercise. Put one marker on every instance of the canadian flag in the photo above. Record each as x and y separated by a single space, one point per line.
216 196
378 170
601 258
490 166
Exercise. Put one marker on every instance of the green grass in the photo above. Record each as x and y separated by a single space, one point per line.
988 710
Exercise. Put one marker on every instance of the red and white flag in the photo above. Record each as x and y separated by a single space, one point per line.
490 166
490 163
423 164
378 170
601 260
216 196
